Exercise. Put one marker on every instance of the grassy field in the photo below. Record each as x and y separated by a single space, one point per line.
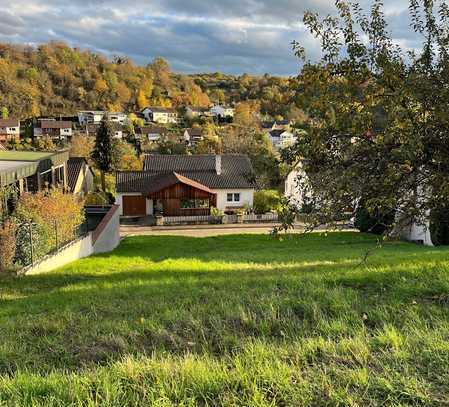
231 320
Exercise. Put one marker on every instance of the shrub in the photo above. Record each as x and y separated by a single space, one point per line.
97 198
372 221
439 226
216 212
266 200
55 218
7 245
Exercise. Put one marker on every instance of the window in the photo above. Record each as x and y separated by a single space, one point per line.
194 203
234 197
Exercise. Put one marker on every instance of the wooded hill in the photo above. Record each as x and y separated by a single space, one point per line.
55 79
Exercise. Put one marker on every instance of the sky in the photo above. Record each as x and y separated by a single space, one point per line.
230 36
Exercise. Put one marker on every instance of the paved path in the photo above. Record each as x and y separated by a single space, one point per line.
201 230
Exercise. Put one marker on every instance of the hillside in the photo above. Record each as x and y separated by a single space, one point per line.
54 79
231 320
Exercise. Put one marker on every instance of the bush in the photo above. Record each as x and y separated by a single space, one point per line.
55 218
7 245
439 226
266 200
97 198
372 221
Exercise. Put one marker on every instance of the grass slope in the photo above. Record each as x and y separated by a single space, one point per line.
231 320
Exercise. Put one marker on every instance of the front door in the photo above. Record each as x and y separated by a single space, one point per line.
134 206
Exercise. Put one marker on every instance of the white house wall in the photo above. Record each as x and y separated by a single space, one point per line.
246 198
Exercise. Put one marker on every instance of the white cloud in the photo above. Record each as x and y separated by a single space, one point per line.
233 36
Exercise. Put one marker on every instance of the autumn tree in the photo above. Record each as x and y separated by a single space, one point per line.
377 125
124 157
82 146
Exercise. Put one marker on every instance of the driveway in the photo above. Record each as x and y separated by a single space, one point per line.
202 230
196 230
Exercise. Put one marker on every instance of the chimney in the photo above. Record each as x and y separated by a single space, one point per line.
218 164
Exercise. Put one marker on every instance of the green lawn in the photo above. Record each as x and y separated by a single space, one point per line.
239 320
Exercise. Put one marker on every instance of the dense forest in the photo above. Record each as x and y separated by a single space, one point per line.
55 79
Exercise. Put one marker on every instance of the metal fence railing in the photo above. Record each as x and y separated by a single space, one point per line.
191 220
34 241
260 218
229 219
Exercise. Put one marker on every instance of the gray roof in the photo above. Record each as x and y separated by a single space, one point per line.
236 169
134 181
74 167
237 172
9 123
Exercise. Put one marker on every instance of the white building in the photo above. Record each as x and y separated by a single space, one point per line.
9 130
282 138
90 117
161 115
222 111
196 111
117 117
96 116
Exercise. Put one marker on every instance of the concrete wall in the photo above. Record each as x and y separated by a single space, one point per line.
106 237
246 197
73 251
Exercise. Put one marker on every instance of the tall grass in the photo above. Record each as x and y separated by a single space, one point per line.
232 320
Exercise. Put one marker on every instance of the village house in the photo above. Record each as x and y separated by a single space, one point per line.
90 117
186 185
268 126
161 115
80 177
152 134
117 117
224 112
281 138
96 116
9 130
193 136
193 112
118 129
60 130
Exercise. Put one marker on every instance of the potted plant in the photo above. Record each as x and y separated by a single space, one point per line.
217 215
159 219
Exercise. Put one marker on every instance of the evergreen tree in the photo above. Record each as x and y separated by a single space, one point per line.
103 150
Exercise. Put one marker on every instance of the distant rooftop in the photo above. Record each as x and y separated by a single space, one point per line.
25 155
15 165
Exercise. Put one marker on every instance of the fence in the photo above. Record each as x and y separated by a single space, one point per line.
228 219
35 241
191 220
262 218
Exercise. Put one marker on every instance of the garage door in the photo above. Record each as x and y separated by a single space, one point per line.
134 206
